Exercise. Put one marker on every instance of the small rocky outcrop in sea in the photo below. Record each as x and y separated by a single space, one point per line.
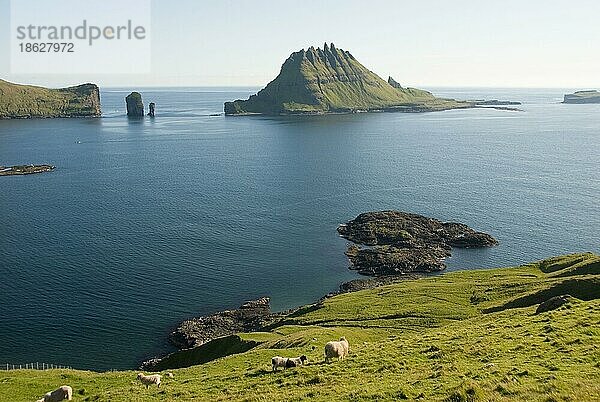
250 316
24 169
494 102
135 106
151 107
399 242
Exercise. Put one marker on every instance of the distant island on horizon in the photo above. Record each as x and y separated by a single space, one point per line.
588 96
331 80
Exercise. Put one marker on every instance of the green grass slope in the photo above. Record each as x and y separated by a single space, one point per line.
460 336
331 80
27 101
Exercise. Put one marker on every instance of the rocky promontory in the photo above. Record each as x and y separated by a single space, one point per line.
591 96
250 316
28 101
395 243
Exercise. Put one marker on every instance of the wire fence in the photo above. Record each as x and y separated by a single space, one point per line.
33 366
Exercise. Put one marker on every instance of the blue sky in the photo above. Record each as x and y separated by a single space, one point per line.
426 43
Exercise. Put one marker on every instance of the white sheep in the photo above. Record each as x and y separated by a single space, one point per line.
169 374
278 361
286 362
148 380
337 349
59 394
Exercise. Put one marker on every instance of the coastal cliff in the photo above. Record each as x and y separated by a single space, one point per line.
27 101
331 80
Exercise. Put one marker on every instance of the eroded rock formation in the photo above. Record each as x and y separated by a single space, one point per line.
135 106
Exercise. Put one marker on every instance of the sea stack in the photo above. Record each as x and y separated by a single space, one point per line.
135 106
151 109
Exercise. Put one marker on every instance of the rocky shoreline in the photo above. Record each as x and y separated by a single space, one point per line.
25 169
251 316
389 246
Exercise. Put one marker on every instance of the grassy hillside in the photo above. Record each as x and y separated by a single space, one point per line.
26 101
461 336
331 80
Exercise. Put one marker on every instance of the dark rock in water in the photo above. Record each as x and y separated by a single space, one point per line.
151 107
135 106
250 316
24 169
390 260
553 303
591 96
402 242
356 285
494 102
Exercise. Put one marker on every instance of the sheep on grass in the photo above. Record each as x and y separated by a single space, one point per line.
59 394
148 380
286 362
337 349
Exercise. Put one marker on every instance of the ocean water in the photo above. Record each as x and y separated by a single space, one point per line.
146 223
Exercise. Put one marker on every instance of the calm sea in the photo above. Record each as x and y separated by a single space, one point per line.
146 223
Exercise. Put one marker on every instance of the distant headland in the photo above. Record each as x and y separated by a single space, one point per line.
28 101
591 96
331 80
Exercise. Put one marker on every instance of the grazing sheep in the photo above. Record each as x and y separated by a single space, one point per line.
169 374
285 362
59 394
148 380
337 349
278 361
296 361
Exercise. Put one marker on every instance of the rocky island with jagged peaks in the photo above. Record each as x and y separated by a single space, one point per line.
28 101
331 80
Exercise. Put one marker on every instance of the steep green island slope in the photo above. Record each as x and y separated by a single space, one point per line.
331 80
460 336
27 101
